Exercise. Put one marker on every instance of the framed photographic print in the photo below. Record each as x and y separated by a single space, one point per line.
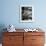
26 13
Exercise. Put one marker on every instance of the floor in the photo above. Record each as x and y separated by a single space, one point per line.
0 44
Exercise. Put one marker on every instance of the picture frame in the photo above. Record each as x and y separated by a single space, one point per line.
26 13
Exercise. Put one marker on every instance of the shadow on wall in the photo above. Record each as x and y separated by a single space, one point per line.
2 26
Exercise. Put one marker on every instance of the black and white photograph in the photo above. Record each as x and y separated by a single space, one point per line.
26 13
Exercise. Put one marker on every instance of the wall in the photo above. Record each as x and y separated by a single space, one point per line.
9 13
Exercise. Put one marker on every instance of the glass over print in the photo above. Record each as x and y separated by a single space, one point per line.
26 13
